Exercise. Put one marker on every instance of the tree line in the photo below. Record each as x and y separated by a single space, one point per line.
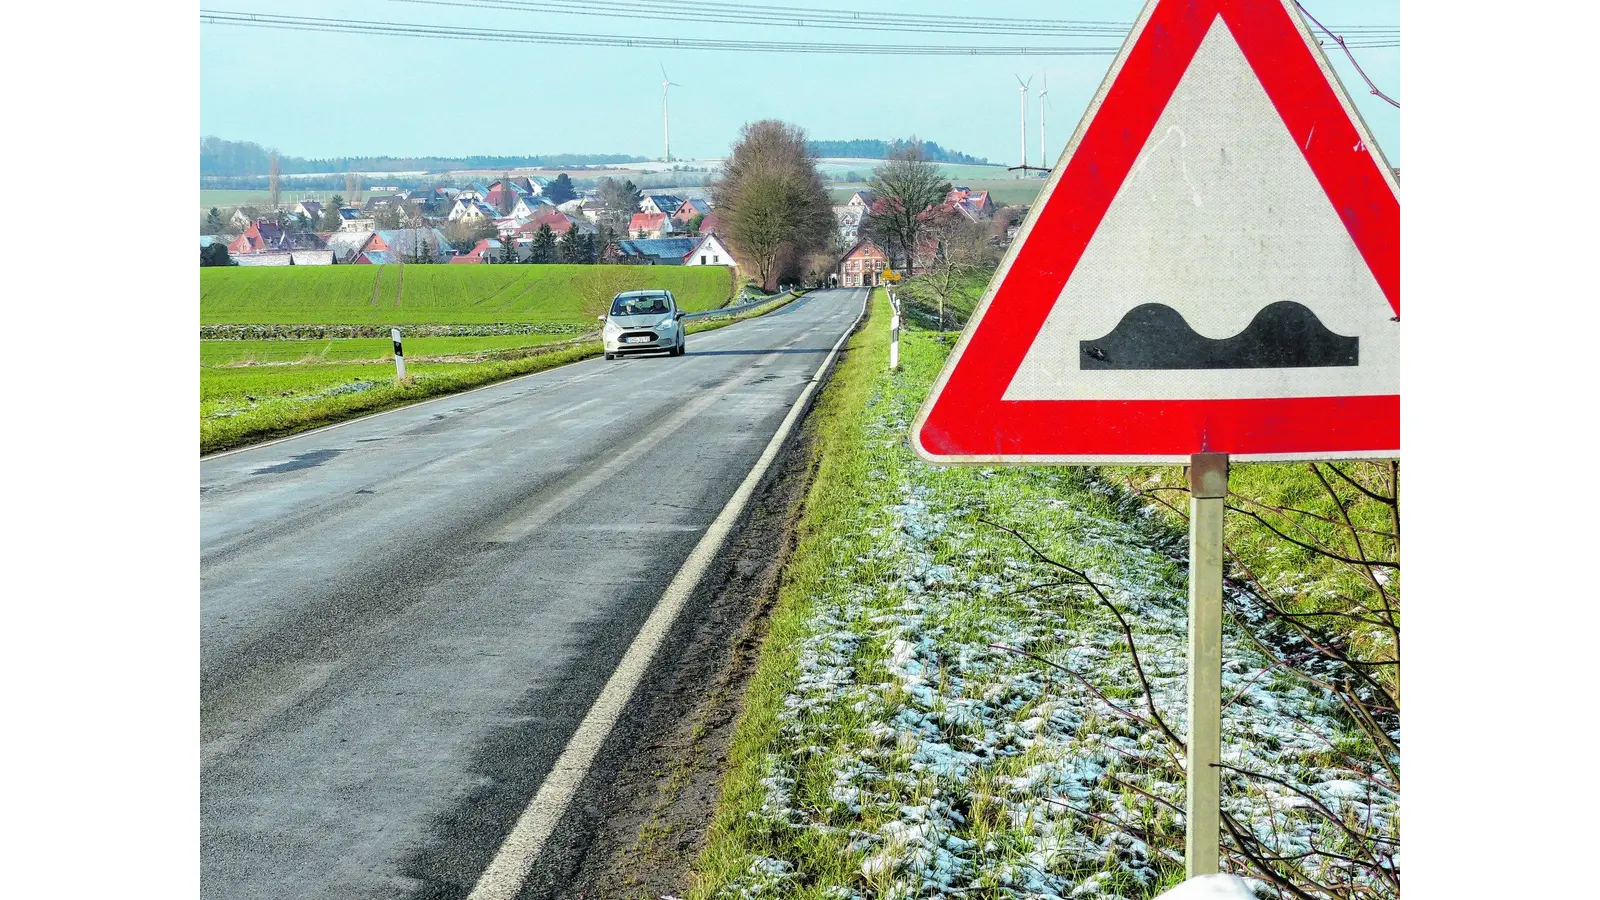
220 157
868 148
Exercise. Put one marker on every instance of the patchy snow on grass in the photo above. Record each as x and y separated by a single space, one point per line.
932 763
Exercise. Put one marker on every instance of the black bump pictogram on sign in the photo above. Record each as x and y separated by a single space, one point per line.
1283 335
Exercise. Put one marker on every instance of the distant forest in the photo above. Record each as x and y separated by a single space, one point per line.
866 148
222 157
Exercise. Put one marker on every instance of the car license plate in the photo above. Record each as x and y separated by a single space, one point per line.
636 340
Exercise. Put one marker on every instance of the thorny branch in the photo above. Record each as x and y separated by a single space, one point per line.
1127 632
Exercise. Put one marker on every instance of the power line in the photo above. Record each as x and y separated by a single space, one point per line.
1346 45
804 18
753 14
452 32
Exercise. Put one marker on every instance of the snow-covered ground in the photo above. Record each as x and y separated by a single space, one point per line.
919 760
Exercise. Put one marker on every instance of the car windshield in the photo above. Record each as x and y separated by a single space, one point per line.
640 305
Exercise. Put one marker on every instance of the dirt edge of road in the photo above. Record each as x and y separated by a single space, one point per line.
650 811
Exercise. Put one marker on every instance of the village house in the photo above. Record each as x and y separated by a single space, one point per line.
347 245
311 209
405 242
660 204
710 251
259 235
689 209
652 225
863 265
848 219
712 223
485 252
975 205
676 251
861 199
529 206
352 219
469 208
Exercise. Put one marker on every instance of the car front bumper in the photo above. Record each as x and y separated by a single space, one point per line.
659 342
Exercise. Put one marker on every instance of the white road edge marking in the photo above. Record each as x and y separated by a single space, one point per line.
502 880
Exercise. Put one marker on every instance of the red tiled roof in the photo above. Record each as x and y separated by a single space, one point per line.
647 222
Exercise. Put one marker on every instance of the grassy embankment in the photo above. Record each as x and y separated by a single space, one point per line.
304 384
892 747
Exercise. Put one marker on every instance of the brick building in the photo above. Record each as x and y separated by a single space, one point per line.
863 266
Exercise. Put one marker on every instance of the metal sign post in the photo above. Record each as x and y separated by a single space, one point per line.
1208 491
399 356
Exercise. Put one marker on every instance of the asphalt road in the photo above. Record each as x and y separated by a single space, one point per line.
403 619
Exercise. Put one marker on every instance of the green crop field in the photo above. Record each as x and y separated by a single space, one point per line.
358 295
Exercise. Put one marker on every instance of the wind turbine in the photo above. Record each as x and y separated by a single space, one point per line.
1044 90
1022 93
666 130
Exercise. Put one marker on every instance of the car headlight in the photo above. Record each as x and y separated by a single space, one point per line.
666 324
612 329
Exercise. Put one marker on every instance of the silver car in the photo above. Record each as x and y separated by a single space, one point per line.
643 322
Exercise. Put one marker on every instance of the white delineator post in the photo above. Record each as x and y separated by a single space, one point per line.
894 334
399 357
1208 491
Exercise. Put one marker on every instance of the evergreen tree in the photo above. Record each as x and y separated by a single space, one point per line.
561 190
544 245
508 250
215 255
572 246
214 221
330 220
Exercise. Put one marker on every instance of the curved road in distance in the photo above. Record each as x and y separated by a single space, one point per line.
403 619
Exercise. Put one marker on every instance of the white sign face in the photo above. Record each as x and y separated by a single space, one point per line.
1220 218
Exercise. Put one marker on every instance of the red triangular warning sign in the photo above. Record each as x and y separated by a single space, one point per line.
1214 265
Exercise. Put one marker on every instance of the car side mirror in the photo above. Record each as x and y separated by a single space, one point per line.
678 314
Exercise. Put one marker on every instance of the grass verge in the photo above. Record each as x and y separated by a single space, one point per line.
939 710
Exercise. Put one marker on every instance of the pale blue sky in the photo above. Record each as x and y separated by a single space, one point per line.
317 94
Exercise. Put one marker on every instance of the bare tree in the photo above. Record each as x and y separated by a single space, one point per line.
352 187
906 189
274 179
772 200
962 257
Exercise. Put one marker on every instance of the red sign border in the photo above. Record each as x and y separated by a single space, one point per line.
1347 163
